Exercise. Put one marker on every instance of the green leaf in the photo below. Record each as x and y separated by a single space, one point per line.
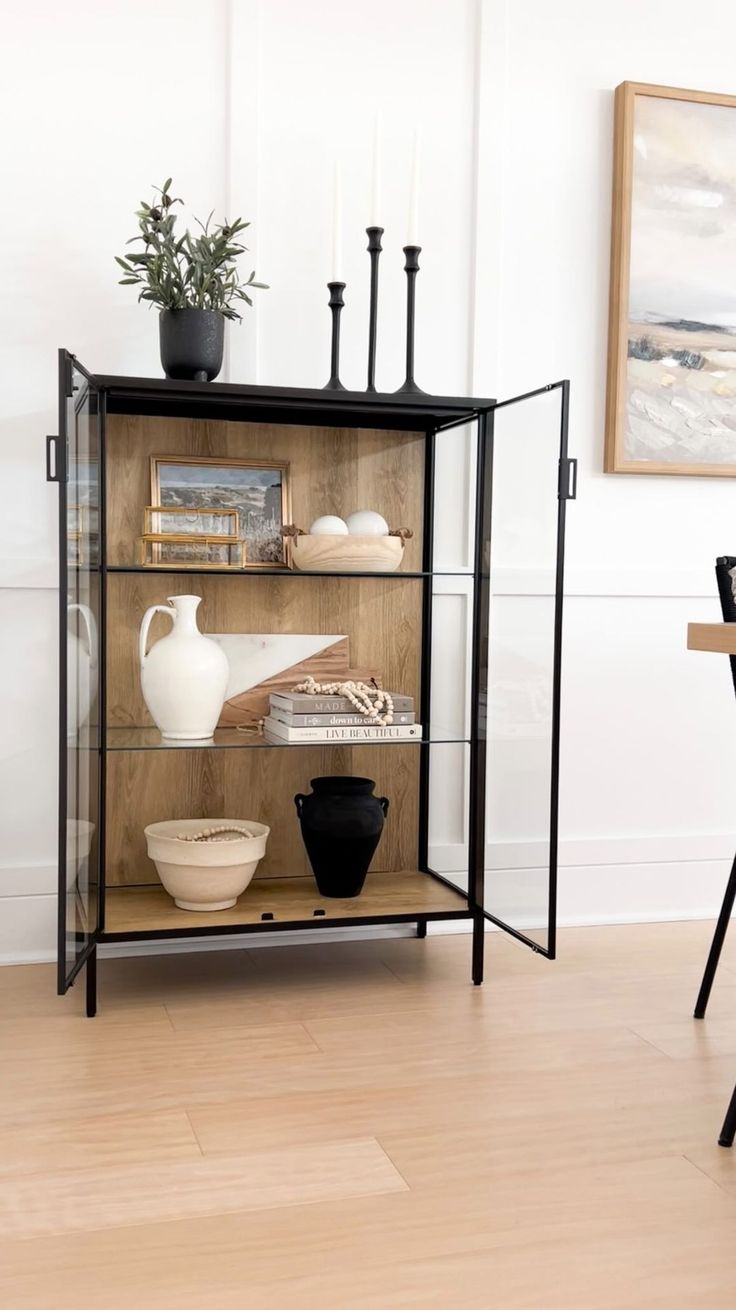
177 269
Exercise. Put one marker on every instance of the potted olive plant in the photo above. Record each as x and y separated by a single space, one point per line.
195 281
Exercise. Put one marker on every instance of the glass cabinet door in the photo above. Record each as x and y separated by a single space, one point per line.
78 451
530 481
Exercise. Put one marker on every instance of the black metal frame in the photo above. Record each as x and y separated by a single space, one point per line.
479 690
566 490
67 365
409 412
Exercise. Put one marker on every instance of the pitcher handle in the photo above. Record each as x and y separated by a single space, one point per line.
145 625
299 800
383 802
91 629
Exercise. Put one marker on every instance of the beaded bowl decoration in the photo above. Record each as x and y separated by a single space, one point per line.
206 865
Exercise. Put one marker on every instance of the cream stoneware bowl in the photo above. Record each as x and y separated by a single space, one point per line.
205 875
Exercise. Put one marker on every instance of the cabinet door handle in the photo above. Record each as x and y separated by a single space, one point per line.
52 467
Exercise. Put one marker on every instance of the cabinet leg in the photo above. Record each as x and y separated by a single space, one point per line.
479 938
421 928
728 1131
90 979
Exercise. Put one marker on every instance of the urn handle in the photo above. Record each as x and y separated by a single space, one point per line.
383 802
91 629
299 800
146 623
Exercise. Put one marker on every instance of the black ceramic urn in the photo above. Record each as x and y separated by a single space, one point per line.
192 343
342 822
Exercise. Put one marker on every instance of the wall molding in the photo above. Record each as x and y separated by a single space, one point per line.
662 892
667 878
28 574
637 584
595 852
38 879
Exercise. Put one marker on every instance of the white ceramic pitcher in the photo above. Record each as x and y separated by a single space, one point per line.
81 665
185 675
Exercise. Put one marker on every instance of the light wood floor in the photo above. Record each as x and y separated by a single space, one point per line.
354 1127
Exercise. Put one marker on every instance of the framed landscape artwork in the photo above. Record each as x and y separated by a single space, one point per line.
258 491
671 403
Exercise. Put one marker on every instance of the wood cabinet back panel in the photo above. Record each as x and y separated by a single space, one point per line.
147 786
382 617
331 471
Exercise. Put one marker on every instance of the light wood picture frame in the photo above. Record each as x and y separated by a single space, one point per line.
671 387
259 489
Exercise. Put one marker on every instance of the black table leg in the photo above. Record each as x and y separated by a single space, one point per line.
717 944
90 979
728 1130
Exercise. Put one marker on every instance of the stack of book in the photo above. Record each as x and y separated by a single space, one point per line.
295 717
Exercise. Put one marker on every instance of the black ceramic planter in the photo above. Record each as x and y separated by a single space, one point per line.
192 342
342 822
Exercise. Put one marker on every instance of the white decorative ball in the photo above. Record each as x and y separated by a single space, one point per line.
367 523
329 525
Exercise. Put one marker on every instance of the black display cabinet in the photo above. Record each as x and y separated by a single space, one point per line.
116 772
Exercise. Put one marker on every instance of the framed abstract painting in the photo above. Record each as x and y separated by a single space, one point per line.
671 400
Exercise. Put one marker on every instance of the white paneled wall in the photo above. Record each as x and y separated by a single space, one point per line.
97 104
248 104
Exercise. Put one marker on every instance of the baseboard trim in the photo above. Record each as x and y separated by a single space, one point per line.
589 895
456 927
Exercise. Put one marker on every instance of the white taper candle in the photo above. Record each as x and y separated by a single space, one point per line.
375 209
337 227
412 238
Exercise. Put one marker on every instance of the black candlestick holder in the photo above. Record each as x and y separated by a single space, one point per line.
336 305
374 235
411 268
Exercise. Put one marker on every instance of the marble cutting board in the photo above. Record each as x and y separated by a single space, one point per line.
261 663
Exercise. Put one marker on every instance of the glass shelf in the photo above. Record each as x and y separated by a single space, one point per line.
287 573
148 739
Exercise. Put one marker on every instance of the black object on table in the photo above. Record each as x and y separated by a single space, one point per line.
724 564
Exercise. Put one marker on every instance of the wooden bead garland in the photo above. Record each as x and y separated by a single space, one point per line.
213 834
374 704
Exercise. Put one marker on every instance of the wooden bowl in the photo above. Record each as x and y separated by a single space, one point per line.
346 554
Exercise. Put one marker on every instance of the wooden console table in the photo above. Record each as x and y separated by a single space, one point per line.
718 637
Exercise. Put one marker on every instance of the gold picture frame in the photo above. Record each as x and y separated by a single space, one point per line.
672 319
193 522
263 503
193 539
165 551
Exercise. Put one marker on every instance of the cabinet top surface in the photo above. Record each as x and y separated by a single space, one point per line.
409 412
